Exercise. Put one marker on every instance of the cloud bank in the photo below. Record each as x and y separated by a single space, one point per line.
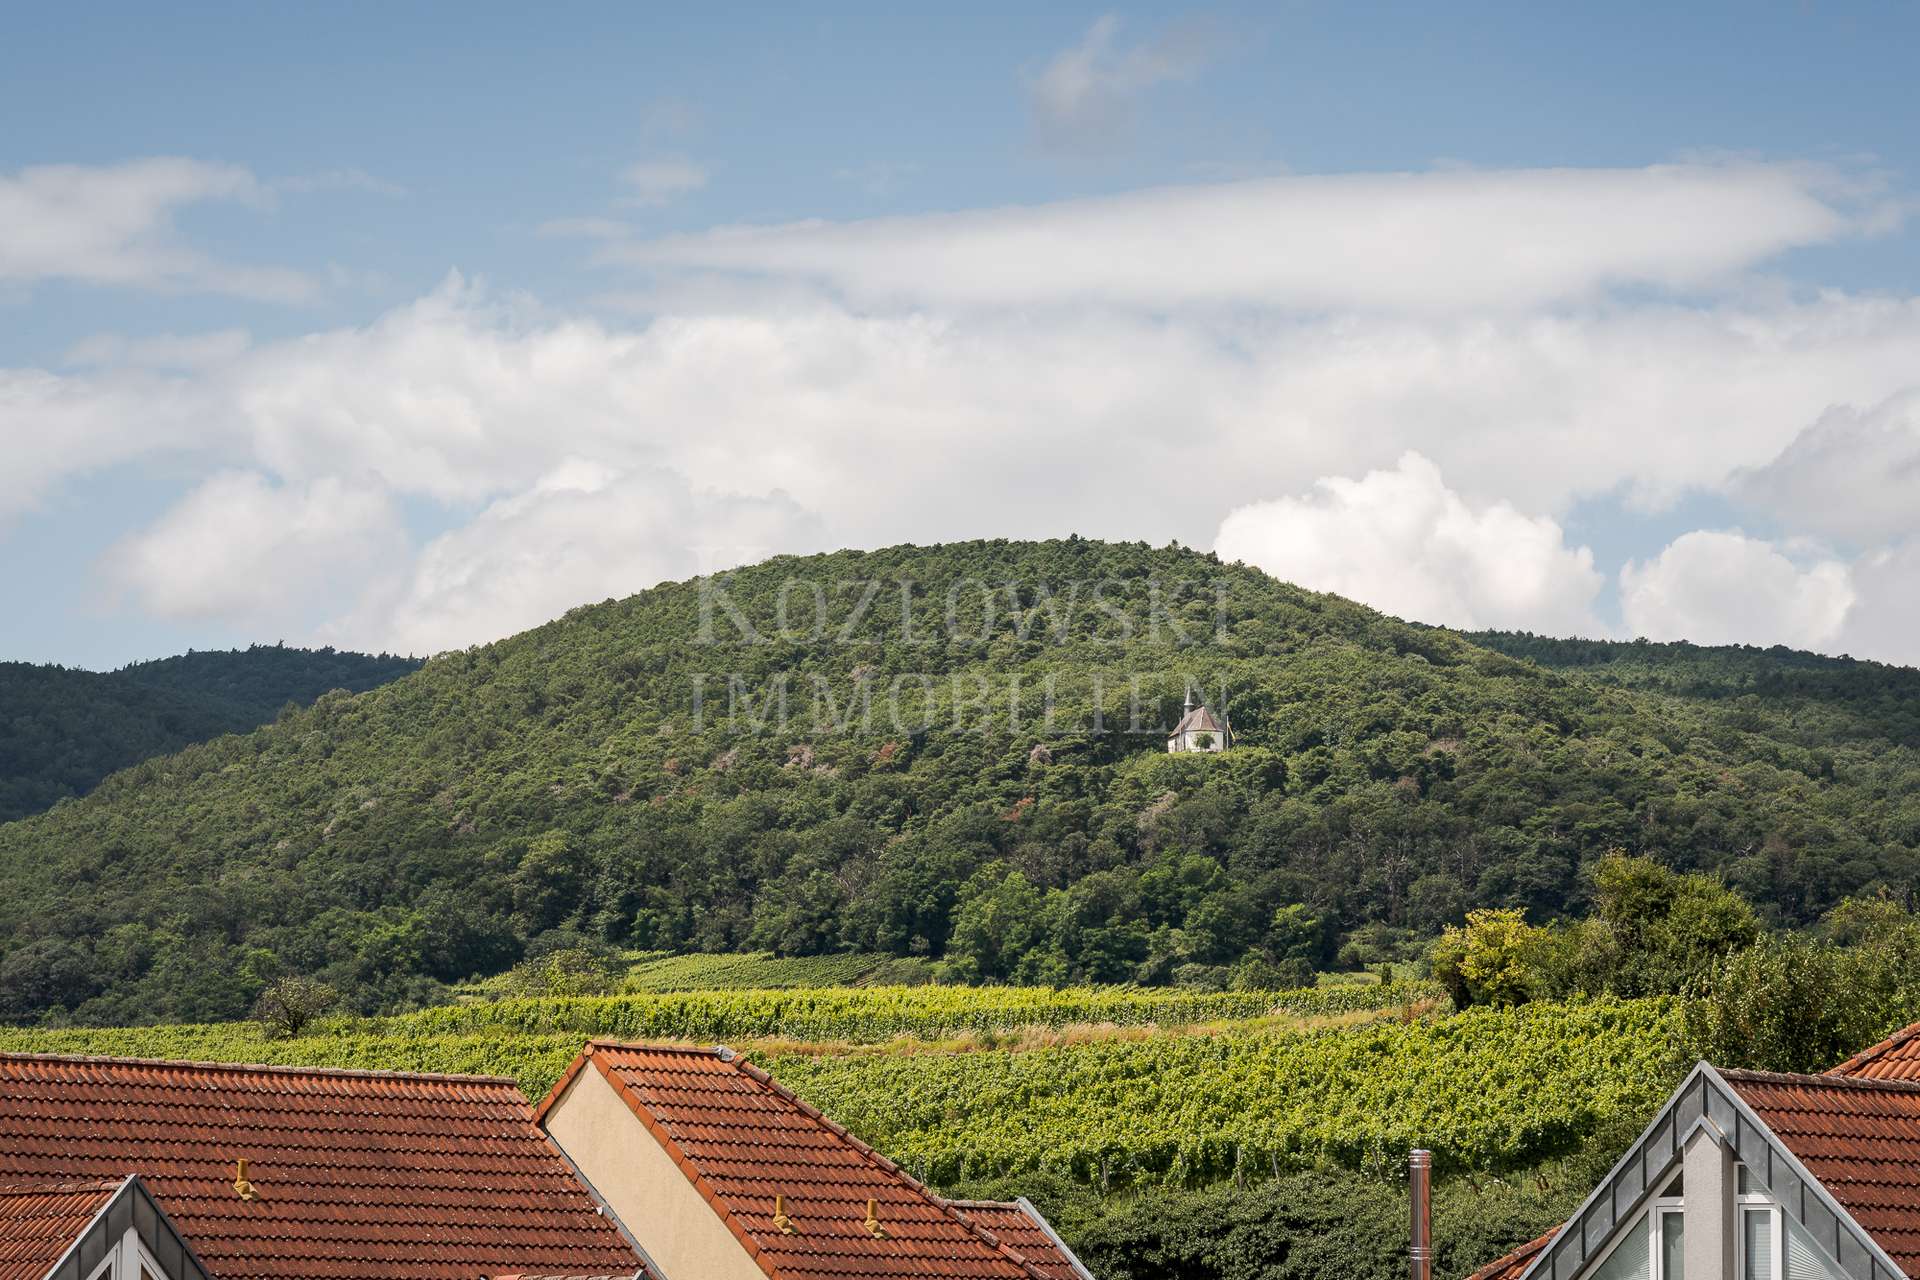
1441 241
1397 387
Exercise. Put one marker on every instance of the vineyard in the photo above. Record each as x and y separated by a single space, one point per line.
1212 1086
1494 1090
871 1014
533 1039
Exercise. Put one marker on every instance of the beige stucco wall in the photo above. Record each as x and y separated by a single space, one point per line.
1710 1196
640 1182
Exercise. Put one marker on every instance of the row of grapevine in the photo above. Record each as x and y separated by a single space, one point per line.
535 1061
879 1013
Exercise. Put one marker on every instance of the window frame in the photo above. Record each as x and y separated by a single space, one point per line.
1651 1225
1753 1202
127 1259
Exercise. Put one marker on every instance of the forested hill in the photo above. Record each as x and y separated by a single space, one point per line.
628 772
62 730
1828 698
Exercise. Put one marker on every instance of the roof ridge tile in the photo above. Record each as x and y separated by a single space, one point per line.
1821 1080
1875 1051
646 1046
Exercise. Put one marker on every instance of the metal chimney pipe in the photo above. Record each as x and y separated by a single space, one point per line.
1420 1184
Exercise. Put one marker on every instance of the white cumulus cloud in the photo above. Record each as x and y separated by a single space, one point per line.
243 547
1852 474
1885 620
113 225
1403 542
917 426
582 533
1722 587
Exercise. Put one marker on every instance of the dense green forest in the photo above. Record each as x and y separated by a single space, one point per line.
1828 699
953 752
62 729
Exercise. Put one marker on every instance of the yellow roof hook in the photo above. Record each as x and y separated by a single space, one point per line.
241 1187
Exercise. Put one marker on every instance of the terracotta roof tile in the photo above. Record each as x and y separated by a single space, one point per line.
1895 1058
742 1140
1014 1224
40 1221
360 1174
1859 1137
1515 1263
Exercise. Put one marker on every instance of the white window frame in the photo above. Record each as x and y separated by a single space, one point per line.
124 1261
1650 1231
1756 1203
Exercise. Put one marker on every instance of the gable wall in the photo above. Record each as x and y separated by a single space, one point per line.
1704 1106
634 1174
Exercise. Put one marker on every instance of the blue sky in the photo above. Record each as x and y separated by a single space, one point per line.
410 327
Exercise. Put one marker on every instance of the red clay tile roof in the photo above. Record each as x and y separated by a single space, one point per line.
1895 1058
1018 1224
1860 1138
1511 1266
741 1140
40 1221
360 1174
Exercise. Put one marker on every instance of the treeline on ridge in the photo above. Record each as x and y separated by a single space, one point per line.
63 729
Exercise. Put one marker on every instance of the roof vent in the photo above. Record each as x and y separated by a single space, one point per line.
874 1228
780 1218
241 1187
